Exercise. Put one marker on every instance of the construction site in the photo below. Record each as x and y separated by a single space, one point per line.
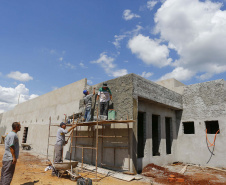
159 133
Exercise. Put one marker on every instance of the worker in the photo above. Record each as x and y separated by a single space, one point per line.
11 155
88 103
60 142
104 94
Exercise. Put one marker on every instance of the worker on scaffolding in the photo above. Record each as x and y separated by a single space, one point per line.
104 94
60 142
88 103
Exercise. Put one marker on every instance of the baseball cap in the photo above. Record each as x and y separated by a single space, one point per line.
62 123
85 92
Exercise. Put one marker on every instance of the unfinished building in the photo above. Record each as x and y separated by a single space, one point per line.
172 122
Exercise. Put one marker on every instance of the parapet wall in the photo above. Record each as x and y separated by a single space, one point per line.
149 90
204 100
35 114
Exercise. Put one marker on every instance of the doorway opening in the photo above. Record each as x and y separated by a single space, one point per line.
141 134
168 127
156 133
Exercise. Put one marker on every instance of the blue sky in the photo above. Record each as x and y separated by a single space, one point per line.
45 45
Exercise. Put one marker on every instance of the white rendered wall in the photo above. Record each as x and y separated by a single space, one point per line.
35 114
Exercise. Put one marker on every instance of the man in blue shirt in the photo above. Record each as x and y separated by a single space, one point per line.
11 155
88 103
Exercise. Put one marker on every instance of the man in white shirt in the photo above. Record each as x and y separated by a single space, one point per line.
104 94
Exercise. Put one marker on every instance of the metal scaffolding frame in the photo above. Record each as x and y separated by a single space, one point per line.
96 125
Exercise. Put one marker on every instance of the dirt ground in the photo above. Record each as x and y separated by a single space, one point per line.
30 171
194 175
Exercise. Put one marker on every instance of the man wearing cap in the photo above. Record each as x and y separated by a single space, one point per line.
60 141
104 94
11 155
88 103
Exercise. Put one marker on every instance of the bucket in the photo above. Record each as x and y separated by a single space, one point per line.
111 114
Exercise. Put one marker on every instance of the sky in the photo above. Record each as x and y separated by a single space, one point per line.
45 45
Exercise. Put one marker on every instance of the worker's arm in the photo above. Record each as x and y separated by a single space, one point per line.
97 98
110 94
73 126
12 150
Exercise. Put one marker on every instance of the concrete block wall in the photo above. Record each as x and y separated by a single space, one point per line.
203 102
151 91
122 98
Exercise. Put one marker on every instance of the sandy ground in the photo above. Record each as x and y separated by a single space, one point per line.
30 171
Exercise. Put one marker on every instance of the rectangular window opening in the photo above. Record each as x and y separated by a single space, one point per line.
212 127
189 127
25 135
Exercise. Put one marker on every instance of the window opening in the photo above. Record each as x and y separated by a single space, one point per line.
212 127
156 133
189 127
25 135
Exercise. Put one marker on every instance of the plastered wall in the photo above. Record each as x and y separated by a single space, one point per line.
162 111
203 102
35 115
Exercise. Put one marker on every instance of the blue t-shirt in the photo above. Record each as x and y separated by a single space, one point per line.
11 140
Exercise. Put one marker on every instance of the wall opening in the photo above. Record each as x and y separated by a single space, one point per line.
168 127
212 127
25 135
156 133
141 134
189 127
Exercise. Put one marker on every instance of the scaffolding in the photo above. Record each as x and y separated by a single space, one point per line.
96 125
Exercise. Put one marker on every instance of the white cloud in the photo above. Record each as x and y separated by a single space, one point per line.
107 63
9 96
82 65
196 31
54 88
69 65
90 82
146 74
52 51
150 51
119 38
151 4
61 59
128 15
179 74
32 96
16 75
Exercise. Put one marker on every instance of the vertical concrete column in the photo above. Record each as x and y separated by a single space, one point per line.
134 134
